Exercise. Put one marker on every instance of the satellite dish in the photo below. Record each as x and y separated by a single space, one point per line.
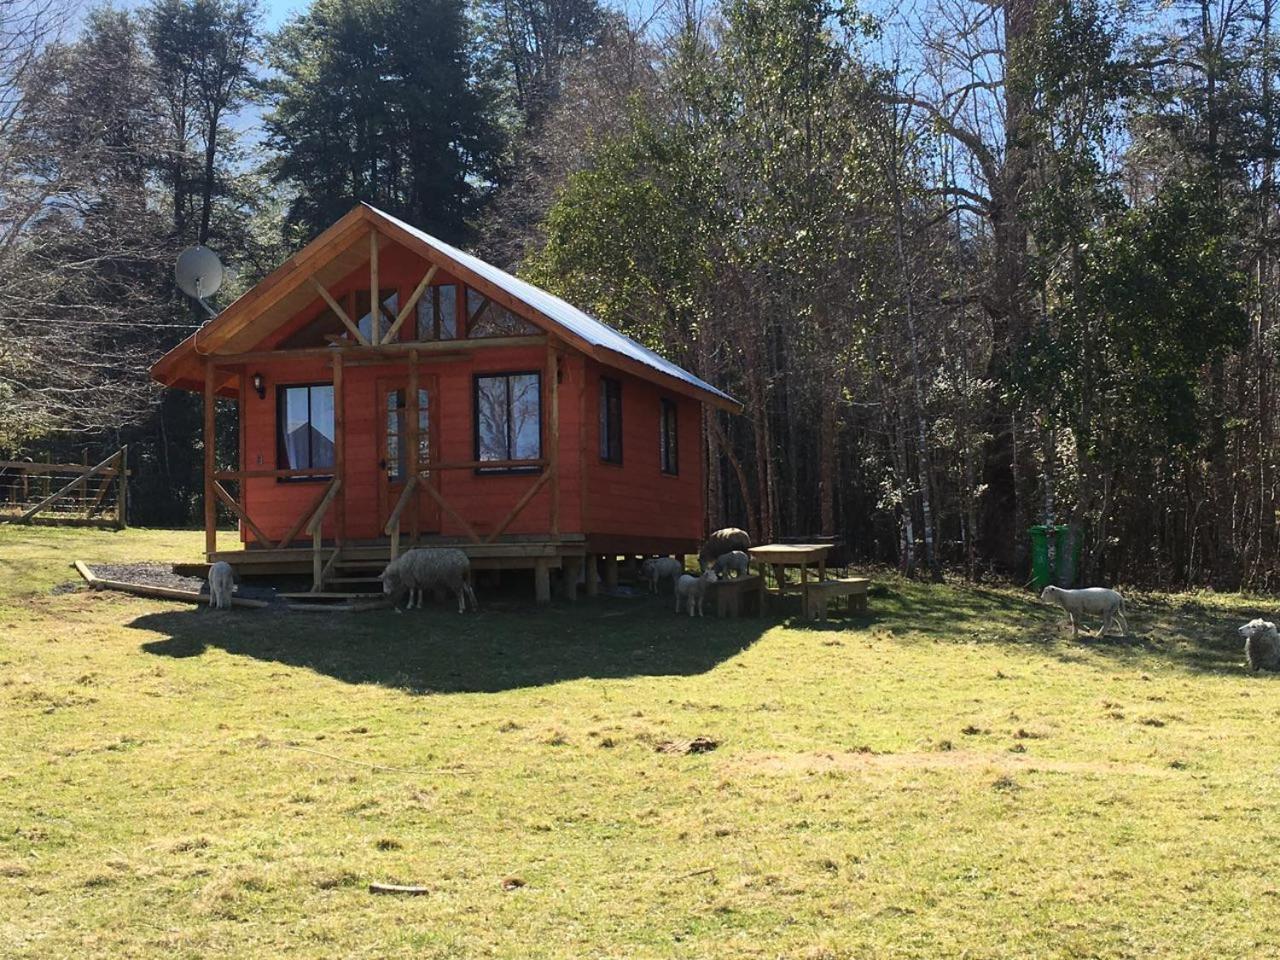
199 274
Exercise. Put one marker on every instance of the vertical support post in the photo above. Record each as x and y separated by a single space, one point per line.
210 461
611 571
84 481
542 582
122 493
570 568
339 448
375 295
414 414
593 572
553 439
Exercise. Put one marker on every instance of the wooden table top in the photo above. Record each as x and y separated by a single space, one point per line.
789 552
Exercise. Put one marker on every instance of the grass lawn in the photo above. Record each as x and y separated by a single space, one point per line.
949 776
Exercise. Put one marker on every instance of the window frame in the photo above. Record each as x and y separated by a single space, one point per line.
605 449
668 445
475 422
281 390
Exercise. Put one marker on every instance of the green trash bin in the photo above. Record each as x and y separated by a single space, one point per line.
1061 570
1041 575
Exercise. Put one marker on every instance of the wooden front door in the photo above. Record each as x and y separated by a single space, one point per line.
396 461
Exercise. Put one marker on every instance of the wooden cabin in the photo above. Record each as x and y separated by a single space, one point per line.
468 408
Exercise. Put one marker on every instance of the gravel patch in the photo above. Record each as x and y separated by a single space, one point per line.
162 575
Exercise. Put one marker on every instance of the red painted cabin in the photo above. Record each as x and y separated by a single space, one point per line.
542 436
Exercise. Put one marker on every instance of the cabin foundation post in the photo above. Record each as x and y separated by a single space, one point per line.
542 582
611 572
210 462
571 569
592 573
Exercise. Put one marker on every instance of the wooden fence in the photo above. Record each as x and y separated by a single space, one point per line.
80 494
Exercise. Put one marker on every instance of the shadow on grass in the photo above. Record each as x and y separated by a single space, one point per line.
437 651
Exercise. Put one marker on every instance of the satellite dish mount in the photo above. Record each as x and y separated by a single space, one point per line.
199 275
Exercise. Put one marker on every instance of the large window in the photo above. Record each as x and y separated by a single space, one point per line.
438 312
610 420
487 319
304 418
668 447
391 306
508 411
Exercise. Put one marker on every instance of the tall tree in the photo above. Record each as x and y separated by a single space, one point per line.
378 100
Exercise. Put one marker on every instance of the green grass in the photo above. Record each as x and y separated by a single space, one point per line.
950 776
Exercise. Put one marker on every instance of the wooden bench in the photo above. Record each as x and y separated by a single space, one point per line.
817 596
738 597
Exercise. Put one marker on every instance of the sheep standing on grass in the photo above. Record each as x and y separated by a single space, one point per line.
426 568
657 569
735 562
222 580
722 542
1096 601
693 590
1261 645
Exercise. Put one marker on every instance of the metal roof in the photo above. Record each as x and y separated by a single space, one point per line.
583 325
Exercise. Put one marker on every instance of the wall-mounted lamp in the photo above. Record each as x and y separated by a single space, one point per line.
259 386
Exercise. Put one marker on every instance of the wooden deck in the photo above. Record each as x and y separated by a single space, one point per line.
356 564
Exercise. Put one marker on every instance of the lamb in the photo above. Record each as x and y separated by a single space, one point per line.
222 581
1261 645
735 561
657 569
1097 601
722 542
425 568
693 590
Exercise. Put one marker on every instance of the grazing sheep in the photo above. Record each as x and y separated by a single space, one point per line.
735 562
1098 601
722 542
222 580
426 568
1261 645
693 590
657 569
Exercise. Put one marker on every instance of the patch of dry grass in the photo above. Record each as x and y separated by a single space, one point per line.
949 776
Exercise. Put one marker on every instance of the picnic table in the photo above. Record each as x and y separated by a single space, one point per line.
780 556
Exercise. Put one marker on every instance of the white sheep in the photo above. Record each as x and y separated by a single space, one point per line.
693 590
428 567
222 581
735 562
722 542
1097 601
657 569
1261 645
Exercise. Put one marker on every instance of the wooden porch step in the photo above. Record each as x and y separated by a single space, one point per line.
308 595
354 580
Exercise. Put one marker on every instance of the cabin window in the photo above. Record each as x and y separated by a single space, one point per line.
399 452
305 423
668 447
610 420
438 313
390 300
487 319
508 411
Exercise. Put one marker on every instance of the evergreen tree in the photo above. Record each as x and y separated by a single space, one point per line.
377 100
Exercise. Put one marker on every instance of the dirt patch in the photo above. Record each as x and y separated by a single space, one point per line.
797 764
680 747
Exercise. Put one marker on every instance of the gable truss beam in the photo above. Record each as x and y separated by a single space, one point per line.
341 314
412 302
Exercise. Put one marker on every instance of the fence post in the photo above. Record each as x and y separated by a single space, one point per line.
122 496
